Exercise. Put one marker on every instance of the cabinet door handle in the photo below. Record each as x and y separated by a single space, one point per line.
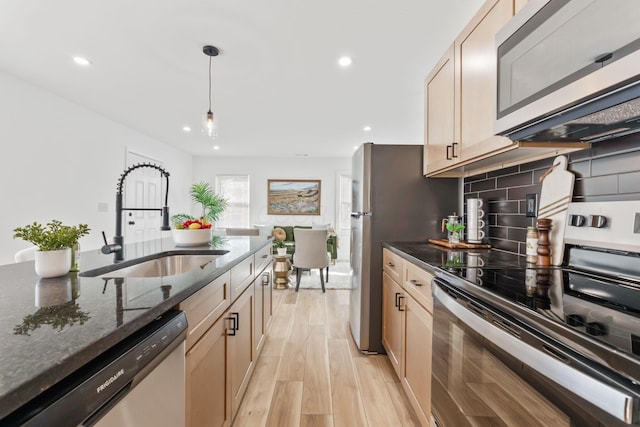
453 150
232 333
449 147
264 256
266 279
397 302
237 315
415 282
400 298
390 264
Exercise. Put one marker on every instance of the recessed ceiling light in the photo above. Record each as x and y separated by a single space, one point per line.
215 147
81 61
367 128
345 61
186 128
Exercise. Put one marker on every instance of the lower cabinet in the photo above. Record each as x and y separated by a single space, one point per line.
392 295
407 332
208 403
220 360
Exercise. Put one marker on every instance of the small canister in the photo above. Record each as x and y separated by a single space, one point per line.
532 245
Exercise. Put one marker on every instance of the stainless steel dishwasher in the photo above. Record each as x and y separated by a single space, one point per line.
140 382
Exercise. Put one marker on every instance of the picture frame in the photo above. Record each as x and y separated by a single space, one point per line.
293 196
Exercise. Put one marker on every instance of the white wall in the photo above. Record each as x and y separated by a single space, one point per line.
262 169
60 160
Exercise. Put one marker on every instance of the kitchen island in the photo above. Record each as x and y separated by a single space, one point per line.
52 327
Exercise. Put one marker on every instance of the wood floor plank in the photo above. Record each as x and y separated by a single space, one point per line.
388 373
286 404
316 395
375 396
401 404
348 410
317 314
309 420
295 348
255 406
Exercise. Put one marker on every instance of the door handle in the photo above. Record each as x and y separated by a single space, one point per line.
449 149
453 150
397 302
415 282
237 316
400 298
233 325
266 279
132 222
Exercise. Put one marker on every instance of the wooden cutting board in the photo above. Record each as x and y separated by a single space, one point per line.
555 196
461 245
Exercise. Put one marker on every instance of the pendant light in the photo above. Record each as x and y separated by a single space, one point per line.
210 121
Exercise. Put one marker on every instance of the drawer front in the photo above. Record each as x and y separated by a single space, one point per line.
417 283
392 264
262 259
205 306
241 277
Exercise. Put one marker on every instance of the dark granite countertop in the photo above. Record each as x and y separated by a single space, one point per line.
432 256
51 327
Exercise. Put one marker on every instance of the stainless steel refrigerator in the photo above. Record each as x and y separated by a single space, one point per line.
391 201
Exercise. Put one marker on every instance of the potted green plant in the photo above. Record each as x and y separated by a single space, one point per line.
454 228
54 242
281 249
189 230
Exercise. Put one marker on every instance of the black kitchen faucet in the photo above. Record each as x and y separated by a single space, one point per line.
117 247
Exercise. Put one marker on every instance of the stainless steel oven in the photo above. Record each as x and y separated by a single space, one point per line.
554 346
489 368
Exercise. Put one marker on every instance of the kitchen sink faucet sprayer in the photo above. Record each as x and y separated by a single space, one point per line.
117 247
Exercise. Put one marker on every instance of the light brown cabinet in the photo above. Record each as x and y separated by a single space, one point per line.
228 321
460 104
407 330
392 295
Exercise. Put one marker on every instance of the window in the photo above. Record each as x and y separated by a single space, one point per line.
234 188
344 215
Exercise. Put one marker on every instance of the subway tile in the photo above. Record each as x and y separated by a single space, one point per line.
504 206
512 221
581 169
492 220
467 187
538 164
522 248
498 232
504 171
517 234
629 183
611 197
615 145
487 184
619 163
578 188
493 195
519 193
478 177
523 178
600 185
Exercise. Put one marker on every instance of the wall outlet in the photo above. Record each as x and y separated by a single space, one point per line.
531 205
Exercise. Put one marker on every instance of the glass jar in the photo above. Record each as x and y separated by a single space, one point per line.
532 245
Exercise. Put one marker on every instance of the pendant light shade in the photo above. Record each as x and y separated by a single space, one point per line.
210 120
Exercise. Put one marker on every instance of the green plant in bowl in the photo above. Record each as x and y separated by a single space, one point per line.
211 206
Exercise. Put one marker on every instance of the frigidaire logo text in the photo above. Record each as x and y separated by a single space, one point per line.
108 382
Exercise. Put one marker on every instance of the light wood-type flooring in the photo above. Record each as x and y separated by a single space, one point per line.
310 372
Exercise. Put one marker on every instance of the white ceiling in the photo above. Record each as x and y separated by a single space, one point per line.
277 87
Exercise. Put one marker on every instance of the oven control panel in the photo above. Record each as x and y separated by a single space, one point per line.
610 225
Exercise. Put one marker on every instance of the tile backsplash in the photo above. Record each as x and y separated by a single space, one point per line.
609 170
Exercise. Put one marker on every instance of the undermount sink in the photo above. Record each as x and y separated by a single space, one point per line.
169 265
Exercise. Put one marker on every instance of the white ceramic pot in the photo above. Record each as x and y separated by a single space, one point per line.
199 237
53 263
281 251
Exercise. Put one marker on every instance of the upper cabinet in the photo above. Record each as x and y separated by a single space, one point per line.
460 104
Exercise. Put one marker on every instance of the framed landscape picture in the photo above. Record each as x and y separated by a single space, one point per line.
293 197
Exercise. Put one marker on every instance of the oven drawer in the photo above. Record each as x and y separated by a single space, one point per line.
392 264
417 283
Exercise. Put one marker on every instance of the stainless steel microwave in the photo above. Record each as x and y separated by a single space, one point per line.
569 70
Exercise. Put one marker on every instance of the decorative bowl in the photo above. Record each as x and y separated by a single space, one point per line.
186 237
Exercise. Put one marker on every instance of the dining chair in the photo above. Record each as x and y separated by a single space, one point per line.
311 252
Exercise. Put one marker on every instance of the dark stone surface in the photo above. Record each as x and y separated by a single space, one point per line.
42 345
